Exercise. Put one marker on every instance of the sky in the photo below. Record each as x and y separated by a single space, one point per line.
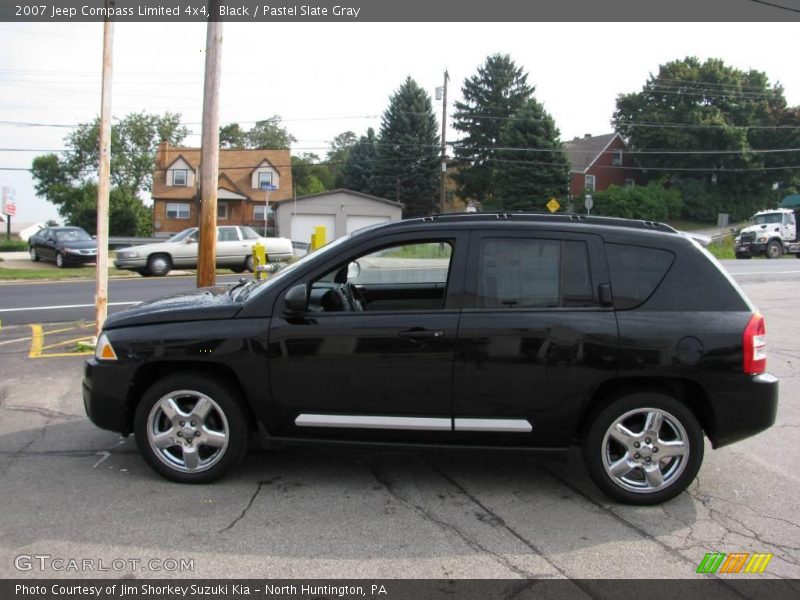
326 78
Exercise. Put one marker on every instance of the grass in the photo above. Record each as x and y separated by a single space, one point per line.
722 248
430 250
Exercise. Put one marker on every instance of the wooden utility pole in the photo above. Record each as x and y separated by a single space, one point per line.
209 156
103 182
444 138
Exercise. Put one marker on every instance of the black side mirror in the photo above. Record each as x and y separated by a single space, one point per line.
606 297
296 299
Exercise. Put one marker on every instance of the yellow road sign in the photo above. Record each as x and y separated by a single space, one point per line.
552 205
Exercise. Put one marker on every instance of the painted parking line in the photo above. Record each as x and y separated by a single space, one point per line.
62 306
39 350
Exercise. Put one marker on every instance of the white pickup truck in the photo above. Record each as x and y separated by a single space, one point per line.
772 233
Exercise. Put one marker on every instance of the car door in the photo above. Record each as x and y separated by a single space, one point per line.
381 373
47 244
184 252
230 249
534 341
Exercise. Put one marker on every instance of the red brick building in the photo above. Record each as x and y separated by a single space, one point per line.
597 162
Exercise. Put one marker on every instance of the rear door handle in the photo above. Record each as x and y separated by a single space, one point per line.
419 335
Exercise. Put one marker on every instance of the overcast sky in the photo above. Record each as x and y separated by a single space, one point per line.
326 78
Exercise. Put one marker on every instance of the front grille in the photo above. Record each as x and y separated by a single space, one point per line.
748 237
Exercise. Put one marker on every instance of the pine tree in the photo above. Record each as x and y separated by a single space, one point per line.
491 97
358 172
408 151
526 179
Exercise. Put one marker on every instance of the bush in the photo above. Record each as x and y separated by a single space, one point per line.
652 202
13 246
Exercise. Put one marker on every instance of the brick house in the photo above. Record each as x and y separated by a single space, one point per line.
241 201
597 162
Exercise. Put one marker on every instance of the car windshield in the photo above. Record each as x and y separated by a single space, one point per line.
768 218
73 235
249 233
281 275
182 235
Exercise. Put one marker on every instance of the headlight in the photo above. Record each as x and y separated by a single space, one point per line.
72 250
128 254
103 350
737 240
762 238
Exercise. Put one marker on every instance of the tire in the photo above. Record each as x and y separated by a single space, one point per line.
158 265
238 269
34 255
210 457
248 263
143 272
774 249
741 255
630 484
60 260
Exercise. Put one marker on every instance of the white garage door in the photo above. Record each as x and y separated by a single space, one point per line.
303 226
357 222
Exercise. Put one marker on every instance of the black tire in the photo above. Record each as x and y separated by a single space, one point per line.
774 249
60 263
228 412
158 265
238 269
143 272
33 254
741 255
633 486
248 263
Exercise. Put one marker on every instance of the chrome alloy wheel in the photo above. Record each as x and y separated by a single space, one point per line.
645 450
188 431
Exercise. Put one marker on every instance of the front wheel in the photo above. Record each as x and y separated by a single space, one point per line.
644 448
159 265
191 428
60 260
774 249
248 263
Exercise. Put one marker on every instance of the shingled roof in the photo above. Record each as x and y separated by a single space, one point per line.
582 152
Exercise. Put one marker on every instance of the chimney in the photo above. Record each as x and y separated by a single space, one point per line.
162 155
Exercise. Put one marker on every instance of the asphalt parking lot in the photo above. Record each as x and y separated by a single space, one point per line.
71 491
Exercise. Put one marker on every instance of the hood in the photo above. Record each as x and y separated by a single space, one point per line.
199 305
760 228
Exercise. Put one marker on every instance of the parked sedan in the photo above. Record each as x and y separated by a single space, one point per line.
64 245
234 251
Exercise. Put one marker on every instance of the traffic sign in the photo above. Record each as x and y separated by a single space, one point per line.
589 202
9 201
269 187
552 205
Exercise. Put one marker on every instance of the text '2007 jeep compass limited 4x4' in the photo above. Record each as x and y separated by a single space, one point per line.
528 332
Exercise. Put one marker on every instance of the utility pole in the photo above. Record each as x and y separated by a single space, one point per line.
104 176
209 154
444 138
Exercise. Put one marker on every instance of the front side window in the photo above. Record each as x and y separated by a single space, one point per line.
534 273
427 262
179 177
178 210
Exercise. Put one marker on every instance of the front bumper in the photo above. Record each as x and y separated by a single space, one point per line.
71 258
753 248
744 410
105 394
130 263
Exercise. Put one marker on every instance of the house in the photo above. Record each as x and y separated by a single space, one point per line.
20 230
339 211
241 199
599 161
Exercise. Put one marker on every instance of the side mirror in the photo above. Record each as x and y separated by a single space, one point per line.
606 297
296 299
190 240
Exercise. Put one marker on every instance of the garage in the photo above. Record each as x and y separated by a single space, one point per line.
339 211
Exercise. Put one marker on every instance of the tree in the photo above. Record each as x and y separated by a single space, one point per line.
309 175
358 172
69 181
491 97
339 151
408 151
266 134
706 122
525 179
232 136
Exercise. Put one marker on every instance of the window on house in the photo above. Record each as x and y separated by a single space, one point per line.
222 210
258 212
630 183
616 158
264 178
179 177
258 217
589 182
178 210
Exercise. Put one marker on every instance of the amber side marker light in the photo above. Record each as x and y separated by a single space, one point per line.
104 350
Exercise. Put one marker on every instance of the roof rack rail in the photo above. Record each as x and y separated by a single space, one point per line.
553 217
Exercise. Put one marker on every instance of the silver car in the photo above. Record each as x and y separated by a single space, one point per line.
234 251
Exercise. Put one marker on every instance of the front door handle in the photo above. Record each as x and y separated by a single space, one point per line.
420 335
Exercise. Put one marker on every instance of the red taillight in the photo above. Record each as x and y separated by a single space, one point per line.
754 342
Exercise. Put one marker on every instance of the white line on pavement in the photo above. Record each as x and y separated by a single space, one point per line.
13 341
762 272
64 306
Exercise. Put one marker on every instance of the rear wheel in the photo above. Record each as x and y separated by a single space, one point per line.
159 265
248 263
644 448
191 428
34 255
774 249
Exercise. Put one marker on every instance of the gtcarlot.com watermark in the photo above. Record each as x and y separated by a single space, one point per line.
59 564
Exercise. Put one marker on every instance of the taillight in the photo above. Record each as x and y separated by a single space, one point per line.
754 342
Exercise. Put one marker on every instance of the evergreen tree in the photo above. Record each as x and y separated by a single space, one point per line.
526 179
358 173
408 151
338 153
491 97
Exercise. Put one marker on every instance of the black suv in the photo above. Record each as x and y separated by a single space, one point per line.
519 331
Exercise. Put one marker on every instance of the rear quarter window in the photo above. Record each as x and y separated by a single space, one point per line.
636 272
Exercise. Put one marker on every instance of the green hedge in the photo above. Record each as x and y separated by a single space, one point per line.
13 246
652 202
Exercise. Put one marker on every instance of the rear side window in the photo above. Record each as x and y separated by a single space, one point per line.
636 272
534 273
